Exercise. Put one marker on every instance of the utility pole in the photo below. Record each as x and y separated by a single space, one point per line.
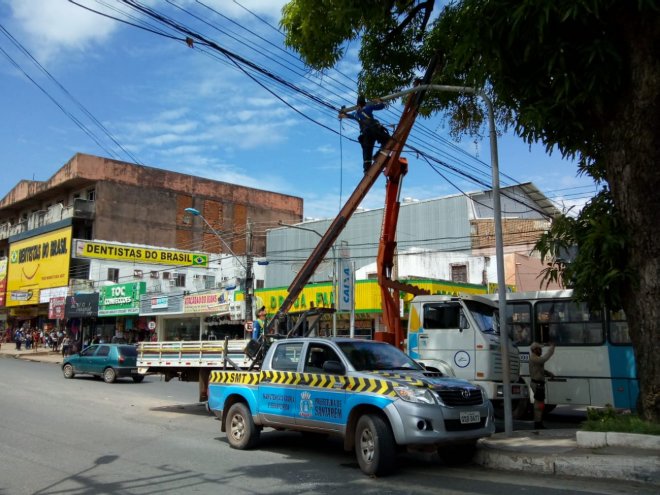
249 282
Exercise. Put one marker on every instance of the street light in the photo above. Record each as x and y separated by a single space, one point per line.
248 273
334 271
196 213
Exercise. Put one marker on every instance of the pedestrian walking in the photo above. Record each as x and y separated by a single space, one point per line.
537 374
371 131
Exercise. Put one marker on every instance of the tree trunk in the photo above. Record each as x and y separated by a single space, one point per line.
632 163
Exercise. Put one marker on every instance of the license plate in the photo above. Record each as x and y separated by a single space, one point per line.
470 417
134 370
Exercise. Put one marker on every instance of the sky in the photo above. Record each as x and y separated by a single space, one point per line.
110 89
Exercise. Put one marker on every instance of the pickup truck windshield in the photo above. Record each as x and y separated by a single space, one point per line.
372 356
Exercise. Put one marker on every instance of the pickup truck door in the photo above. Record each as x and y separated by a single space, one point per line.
277 389
320 396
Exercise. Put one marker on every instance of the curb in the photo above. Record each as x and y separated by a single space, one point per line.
584 463
598 439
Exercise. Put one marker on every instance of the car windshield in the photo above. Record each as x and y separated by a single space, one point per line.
374 356
128 350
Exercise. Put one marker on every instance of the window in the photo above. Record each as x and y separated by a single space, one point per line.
104 350
619 328
113 274
91 194
179 279
166 275
286 357
138 273
568 323
209 281
317 355
442 315
459 273
154 274
260 284
518 322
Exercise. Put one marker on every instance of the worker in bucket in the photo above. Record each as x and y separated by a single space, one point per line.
371 131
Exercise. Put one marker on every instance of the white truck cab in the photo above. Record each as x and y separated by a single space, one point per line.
459 336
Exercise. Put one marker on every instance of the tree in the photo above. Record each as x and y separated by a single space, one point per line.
580 76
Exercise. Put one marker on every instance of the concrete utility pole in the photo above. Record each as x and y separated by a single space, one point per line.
249 279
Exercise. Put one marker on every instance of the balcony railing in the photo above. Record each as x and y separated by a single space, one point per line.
81 208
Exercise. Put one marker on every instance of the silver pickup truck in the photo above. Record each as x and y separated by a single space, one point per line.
370 393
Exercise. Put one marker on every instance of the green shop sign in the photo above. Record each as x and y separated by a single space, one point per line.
121 299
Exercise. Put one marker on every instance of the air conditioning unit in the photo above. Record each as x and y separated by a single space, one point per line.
154 274
137 273
197 277
172 282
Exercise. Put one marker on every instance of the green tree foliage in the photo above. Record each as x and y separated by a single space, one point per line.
599 271
580 76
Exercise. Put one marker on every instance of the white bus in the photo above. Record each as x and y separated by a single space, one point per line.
593 362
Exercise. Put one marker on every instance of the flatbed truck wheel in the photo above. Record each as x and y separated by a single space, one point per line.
242 433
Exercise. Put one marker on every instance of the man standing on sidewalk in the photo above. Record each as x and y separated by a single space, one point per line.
537 373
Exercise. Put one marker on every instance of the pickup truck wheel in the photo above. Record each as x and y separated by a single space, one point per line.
374 445
242 433
455 455
67 371
109 375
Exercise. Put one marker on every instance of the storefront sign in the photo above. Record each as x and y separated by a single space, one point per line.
141 254
159 302
39 262
121 299
345 285
170 303
82 306
45 295
366 293
56 307
3 280
208 302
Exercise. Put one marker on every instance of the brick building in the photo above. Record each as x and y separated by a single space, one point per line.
95 198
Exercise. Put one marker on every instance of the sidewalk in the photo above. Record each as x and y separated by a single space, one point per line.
566 452
569 452
43 354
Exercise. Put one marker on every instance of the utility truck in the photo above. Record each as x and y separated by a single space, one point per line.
371 394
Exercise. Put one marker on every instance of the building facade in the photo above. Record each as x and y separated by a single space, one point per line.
92 198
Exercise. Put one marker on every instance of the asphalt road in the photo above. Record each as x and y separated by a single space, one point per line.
84 436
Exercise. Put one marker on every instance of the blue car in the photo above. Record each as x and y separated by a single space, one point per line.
110 361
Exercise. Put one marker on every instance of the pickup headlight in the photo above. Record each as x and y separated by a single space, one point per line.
415 394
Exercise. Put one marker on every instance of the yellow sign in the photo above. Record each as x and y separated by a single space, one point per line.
367 295
141 254
39 262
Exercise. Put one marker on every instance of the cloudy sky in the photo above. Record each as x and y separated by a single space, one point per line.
75 81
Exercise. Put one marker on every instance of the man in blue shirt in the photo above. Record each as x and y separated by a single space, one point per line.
259 324
370 129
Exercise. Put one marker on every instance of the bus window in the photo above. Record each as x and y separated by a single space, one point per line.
519 321
569 323
618 328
